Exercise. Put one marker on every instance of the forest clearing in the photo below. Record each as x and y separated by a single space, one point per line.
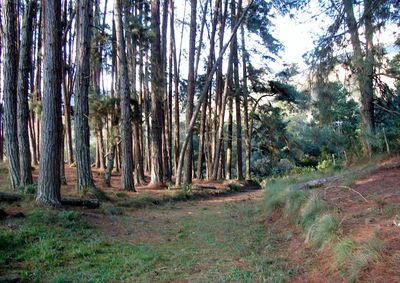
199 141
243 236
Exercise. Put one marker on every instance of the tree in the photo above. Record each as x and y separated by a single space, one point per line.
82 79
25 58
359 21
187 174
156 96
124 90
49 175
10 89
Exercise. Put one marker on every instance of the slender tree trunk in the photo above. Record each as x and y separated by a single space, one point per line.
23 93
245 107
187 176
156 97
1 104
10 65
176 87
165 106
49 176
239 159
62 164
124 89
203 95
82 79
110 166
200 158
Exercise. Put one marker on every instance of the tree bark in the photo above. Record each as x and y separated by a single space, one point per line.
10 64
82 80
239 159
245 107
49 176
203 94
25 61
187 176
363 66
124 90
156 97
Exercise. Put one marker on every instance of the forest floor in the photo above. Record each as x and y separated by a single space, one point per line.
219 237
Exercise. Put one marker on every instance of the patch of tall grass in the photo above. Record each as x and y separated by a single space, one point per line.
312 208
325 230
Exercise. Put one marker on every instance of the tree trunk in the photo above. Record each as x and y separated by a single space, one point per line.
203 94
156 97
82 80
245 107
239 161
363 67
49 176
10 65
200 158
23 93
187 176
165 106
124 90
110 166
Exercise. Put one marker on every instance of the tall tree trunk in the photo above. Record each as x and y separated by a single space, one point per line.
49 176
203 95
82 79
187 176
124 90
363 66
245 106
239 159
165 106
200 158
156 97
24 68
10 64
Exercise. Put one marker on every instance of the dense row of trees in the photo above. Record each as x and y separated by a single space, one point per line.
70 67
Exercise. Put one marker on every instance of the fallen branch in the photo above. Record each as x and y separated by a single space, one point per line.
348 188
10 197
89 203
315 183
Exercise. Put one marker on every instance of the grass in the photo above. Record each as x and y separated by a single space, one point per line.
294 201
343 250
312 208
219 244
325 230
352 257
367 253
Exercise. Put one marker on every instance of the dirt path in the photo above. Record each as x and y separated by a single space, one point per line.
162 216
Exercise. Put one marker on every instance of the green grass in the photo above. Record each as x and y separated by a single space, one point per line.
367 253
225 243
342 251
325 230
295 199
352 257
313 207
